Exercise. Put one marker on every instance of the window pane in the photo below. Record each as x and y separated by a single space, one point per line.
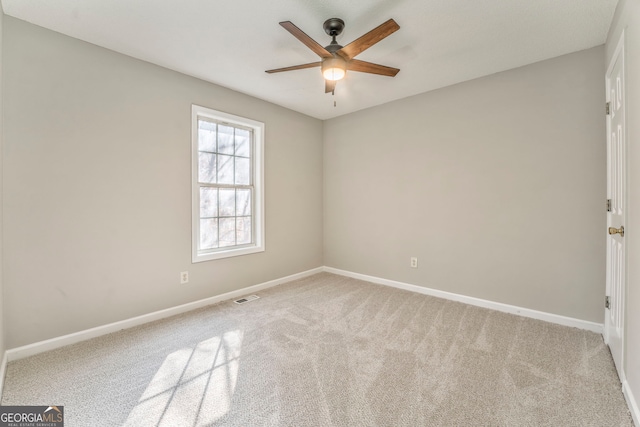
243 171
225 139
227 202
206 136
243 145
228 193
243 230
207 167
227 232
243 202
208 233
225 169
208 202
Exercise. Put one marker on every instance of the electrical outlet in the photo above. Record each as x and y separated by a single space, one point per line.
184 277
414 262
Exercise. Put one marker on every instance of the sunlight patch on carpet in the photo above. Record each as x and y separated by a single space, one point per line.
194 386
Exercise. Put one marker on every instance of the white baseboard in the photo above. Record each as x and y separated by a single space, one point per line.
51 344
3 369
506 308
632 403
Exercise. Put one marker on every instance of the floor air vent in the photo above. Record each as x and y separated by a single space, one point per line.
246 299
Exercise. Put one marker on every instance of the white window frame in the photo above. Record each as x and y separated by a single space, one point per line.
258 184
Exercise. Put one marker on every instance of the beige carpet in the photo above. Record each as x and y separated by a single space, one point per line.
330 351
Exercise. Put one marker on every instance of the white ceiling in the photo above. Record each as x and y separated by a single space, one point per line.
232 42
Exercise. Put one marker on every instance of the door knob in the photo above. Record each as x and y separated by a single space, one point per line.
620 231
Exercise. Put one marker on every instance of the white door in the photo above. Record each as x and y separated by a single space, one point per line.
616 193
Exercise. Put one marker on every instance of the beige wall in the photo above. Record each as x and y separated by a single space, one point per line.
97 187
627 17
497 185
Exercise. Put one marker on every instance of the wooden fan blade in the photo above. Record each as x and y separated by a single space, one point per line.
368 67
329 86
295 67
372 37
308 41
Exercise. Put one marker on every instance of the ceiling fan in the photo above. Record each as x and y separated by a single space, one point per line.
336 59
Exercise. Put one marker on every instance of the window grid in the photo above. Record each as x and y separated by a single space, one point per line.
236 230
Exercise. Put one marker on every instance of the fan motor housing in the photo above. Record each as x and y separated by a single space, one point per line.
333 48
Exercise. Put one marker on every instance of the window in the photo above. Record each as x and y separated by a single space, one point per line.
227 178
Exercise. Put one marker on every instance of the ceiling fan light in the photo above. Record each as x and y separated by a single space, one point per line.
334 74
334 68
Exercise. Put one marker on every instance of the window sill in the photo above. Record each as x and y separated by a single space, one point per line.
210 256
